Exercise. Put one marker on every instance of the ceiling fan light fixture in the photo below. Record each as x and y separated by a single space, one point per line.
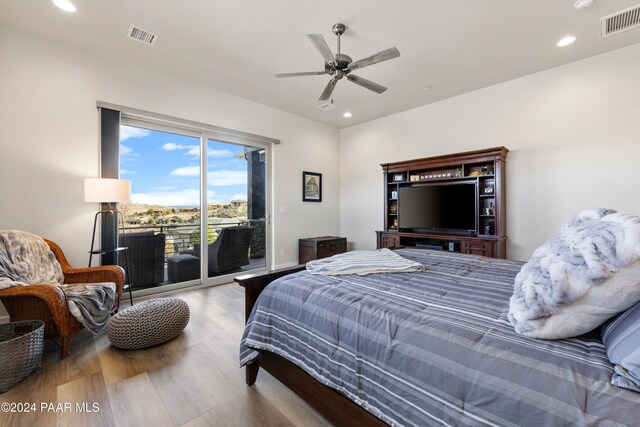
566 41
65 5
339 65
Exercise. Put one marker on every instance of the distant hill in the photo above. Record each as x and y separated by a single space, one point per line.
143 214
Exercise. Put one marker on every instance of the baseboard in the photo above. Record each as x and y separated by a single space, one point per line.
285 265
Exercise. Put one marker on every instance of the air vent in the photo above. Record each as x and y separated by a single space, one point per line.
142 36
620 21
327 106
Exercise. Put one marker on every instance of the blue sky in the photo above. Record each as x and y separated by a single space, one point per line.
164 168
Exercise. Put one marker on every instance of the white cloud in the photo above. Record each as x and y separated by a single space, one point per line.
194 150
127 132
125 150
127 172
186 171
170 146
220 178
187 197
219 153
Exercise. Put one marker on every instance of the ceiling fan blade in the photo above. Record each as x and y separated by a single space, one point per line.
323 47
367 84
326 94
302 73
385 55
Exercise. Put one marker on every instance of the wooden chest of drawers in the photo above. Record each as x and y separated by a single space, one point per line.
320 247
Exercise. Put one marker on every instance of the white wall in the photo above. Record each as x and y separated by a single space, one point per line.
573 132
49 141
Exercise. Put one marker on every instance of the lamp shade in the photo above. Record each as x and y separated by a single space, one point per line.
106 190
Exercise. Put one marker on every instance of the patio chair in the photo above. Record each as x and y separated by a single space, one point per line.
145 255
230 250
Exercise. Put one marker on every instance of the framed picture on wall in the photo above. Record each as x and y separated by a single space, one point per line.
311 187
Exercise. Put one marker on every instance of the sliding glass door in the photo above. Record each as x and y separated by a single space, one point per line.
169 168
236 204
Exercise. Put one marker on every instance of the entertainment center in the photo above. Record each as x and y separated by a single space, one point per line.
453 202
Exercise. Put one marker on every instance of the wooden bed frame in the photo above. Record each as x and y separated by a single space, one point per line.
337 408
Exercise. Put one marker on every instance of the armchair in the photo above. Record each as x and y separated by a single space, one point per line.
145 255
48 302
230 250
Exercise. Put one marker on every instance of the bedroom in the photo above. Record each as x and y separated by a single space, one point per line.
571 130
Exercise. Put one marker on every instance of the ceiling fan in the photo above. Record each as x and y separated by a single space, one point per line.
341 65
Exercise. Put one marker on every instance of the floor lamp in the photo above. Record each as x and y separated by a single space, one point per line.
109 192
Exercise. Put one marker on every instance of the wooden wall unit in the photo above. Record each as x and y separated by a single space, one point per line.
484 167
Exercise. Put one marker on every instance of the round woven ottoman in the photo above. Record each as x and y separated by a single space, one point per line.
148 323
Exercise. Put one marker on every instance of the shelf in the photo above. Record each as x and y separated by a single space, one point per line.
459 178
107 251
487 196
393 214
487 216
440 179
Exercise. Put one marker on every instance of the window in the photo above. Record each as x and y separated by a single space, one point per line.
169 165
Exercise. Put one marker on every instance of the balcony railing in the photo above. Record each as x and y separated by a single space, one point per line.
147 258
179 237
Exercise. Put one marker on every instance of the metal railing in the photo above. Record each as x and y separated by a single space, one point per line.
181 237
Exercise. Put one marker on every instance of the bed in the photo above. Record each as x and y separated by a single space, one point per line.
428 348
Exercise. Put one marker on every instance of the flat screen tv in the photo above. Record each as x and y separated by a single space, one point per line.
443 208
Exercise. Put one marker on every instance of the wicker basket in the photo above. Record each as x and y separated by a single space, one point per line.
21 346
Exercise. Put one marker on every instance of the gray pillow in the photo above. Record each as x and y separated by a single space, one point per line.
621 338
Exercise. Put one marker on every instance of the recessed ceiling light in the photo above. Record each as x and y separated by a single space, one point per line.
65 5
347 114
566 41
427 87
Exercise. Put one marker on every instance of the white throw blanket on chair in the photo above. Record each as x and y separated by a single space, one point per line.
26 259
580 278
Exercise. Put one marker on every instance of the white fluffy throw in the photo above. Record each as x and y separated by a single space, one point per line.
580 278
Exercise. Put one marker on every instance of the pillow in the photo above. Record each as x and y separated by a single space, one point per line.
580 278
621 339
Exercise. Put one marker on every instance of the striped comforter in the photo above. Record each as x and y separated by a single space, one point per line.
435 348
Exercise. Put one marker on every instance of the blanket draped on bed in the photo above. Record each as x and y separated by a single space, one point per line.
363 263
25 259
579 278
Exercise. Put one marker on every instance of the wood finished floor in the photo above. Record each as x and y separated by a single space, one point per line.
191 381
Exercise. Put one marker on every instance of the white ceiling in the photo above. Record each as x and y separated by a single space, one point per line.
454 46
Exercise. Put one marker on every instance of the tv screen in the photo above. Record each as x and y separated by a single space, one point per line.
441 207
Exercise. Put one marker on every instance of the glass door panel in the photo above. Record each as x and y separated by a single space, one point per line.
236 207
162 221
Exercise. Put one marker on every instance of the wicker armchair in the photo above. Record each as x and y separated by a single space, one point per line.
230 250
49 304
145 255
